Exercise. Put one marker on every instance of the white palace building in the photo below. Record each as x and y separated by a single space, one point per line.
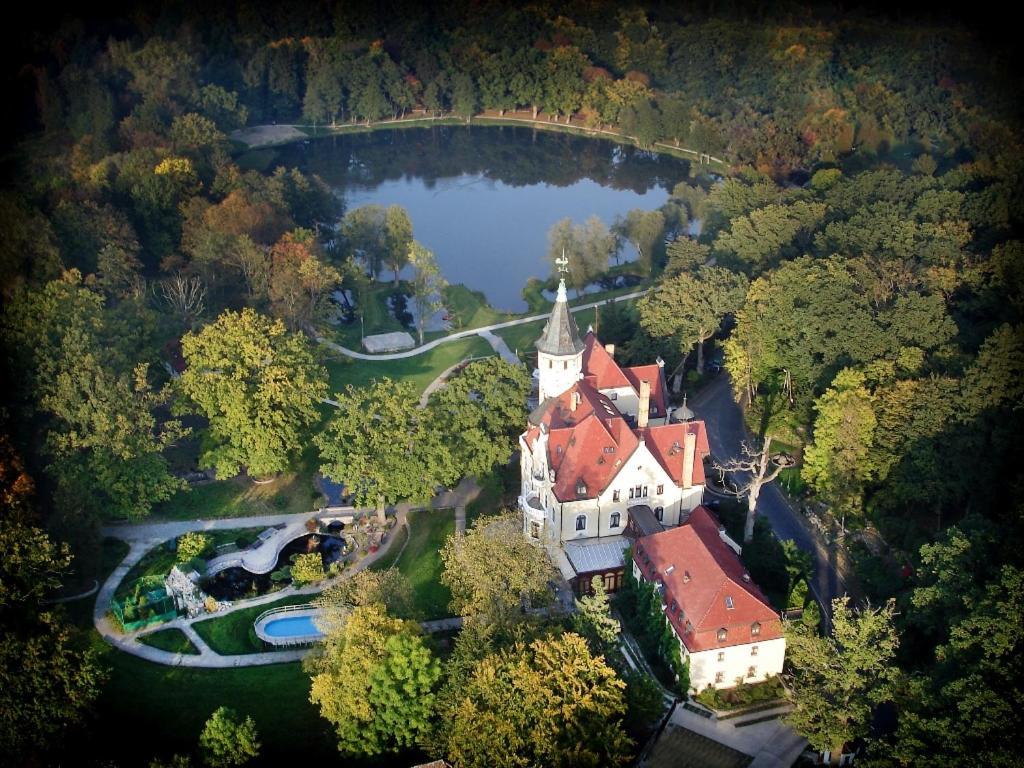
605 465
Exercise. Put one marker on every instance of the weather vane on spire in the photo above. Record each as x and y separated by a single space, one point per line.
563 263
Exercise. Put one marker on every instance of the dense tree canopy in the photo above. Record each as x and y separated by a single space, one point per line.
258 385
549 703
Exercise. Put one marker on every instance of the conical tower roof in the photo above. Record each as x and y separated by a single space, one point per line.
560 336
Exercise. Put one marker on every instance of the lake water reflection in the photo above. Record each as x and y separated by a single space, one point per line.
483 199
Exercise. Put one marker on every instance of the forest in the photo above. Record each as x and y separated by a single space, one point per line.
860 236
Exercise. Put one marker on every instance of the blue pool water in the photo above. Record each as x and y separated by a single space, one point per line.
292 626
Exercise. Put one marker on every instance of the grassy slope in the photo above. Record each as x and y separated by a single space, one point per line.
173 640
233 634
421 561
238 497
419 369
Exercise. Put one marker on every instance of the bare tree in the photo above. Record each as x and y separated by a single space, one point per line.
751 471
184 296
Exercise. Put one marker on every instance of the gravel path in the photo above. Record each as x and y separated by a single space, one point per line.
470 332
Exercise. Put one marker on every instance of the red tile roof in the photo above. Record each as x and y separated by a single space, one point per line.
700 571
592 442
597 362
667 443
654 374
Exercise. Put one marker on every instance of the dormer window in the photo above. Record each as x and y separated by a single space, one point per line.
609 449
755 628
558 450
729 603
722 634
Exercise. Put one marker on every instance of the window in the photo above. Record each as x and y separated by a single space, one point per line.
581 522
721 655
659 512
645 491
719 677
535 530
614 523
558 450
615 495
613 396
565 365
728 602
752 672
755 628
550 364
661 489
753 650
722 634
637 492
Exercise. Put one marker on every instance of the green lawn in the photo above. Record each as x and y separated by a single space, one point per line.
420 370
148 709
397 542
172 640
498 491
239 497
233 634
421 561
79 612
469 309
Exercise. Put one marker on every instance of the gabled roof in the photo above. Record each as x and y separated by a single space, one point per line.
655 376
592 442
588 455
560 335
667 443
703 576
602 366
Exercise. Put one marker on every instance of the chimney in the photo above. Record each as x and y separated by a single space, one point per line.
610 349
574 400
645 405
689 450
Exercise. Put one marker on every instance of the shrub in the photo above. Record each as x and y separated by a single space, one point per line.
227 740
192 545
307 568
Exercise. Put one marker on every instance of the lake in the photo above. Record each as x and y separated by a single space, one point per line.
483 198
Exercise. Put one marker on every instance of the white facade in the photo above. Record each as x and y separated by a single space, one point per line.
641 481
728 667
558 373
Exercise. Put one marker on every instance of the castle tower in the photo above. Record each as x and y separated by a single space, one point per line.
559 349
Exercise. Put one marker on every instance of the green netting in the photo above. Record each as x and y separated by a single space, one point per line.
139 610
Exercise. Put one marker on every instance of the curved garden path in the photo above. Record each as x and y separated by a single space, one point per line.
145 536
483 331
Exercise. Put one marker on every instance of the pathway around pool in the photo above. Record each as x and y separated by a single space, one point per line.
144 537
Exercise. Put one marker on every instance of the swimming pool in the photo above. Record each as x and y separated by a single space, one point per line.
292 625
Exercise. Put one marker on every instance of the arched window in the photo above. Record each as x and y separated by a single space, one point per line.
755 628
581 522
722 634
615 520
659 512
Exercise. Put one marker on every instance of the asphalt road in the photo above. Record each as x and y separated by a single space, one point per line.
726 431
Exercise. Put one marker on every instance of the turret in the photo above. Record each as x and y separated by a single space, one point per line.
559 349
